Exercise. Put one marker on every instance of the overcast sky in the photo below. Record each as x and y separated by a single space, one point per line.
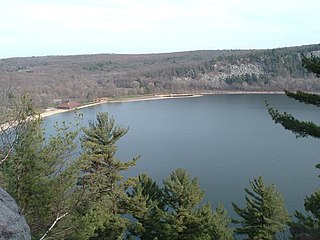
63 27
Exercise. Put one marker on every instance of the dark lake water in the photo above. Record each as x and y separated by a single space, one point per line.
224 140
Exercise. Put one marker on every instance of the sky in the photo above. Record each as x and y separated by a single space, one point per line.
68 27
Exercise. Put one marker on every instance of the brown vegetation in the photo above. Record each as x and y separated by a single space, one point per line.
85 78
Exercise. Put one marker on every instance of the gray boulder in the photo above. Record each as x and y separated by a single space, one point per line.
12 223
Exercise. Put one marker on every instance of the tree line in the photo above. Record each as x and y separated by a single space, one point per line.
85 78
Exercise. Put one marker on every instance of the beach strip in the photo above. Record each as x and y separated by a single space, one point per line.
122 100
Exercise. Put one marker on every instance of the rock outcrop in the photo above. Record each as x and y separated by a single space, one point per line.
12 223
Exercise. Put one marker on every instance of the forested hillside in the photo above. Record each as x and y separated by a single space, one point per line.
86 77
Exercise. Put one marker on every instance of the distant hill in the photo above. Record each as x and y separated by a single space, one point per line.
86 77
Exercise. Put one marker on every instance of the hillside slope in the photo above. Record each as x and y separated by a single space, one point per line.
85 77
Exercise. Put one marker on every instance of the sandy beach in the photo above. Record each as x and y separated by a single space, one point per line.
122 100
54 111
155 97
149 98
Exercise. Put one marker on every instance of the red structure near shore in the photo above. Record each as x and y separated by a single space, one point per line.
69 105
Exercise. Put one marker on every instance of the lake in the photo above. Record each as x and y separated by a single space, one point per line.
224 140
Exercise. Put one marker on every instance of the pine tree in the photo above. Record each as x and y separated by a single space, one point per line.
61 195
220 224
298 127
100 166
174 212
146 207
15 116
312 64
264 214
183 218
33 175
306 227
101 182
27 161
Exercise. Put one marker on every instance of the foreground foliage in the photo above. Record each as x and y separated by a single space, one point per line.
49 182
66 194
264 215
306 227
174 211
33 174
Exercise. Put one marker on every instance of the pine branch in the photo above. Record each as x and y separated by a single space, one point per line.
312 64
300 128
307 98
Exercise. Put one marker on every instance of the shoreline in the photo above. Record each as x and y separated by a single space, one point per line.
242 92
121 100
154 97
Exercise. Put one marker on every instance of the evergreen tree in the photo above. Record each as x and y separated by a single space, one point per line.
146 207
100 166
306 227
15 116
264 214
33 175
28 158
220 224
312 64
101 183
183 218
298 127
174 212
64 197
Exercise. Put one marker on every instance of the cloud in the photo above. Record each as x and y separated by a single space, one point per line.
150 26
